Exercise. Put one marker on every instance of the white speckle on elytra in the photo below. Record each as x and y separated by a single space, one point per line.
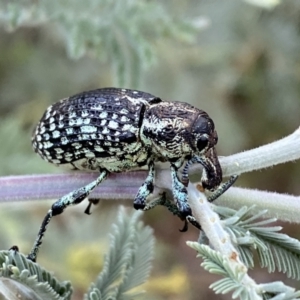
88 129
89 154
84 113
87 121
64 140
47 115
42 129
58 150
78 121
124 119
55 161
126 127
47 144
105 130
72 122
113 125
98 148
103 115
124 111
55 134
52 127
46 136
97 107
70 130
68 154
72 114
77 145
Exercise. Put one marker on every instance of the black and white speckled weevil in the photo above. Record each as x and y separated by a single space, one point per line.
116 130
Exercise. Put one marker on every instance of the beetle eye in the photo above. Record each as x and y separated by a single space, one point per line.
202 142
216 139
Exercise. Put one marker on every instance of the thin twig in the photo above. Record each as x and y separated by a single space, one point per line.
124 186
218 237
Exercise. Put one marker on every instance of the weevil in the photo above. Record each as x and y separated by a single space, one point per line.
115 130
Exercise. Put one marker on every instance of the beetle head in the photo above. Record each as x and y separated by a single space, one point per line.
204 134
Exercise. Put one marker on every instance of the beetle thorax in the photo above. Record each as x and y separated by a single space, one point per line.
166 130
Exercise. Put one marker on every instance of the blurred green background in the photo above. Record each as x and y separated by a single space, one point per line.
237 61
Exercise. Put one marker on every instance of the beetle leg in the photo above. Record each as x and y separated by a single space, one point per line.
185 172
180 193
223 187
91 202
146 189
212 175
193 221
212 172
60 205
162 200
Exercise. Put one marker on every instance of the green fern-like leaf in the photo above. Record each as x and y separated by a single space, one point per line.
216 263
278 290
127 264
280 252
29 280
275 250
246 255
233 280
121 32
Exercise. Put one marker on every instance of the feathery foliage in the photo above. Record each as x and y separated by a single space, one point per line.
128 262
216 263
249 233
121 32
275 250
29 279
126 266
